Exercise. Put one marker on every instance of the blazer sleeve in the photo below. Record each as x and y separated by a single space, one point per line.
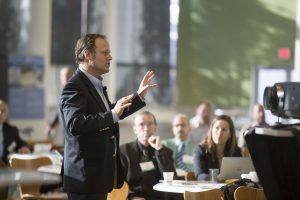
200 164
165 160
137 103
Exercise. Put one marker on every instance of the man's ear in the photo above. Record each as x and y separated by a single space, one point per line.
87 55
134 130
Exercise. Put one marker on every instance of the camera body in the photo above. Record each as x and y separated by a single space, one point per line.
283 99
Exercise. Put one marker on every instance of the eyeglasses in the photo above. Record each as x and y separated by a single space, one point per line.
144 125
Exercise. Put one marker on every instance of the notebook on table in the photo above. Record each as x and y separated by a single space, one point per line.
233 167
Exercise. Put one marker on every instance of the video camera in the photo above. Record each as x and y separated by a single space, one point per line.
283 99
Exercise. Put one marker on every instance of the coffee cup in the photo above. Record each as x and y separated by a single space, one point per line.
168 177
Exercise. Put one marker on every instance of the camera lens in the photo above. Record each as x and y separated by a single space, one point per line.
270 98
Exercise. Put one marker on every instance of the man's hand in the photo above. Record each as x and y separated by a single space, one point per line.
145 84
24 149
154 142
123 103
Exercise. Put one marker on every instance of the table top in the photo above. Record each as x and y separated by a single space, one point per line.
14 177
54 169
178 186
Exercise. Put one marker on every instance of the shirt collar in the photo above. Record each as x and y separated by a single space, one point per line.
97 82
142 147
178 142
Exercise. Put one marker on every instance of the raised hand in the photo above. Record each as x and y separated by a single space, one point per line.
145 84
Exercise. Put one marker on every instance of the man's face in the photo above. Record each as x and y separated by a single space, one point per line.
181 128
205 113
144 127
3 112
100 61
258 114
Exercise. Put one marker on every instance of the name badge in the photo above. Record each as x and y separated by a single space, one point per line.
188 159
147 166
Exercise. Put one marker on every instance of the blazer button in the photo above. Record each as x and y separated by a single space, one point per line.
112 137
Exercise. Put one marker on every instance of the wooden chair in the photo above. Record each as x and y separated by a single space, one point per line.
245 152
249 193
215 194
119 194
31 192
190 176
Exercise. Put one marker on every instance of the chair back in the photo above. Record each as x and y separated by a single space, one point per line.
190 176
32 164
249 193
245 152
119 194
215 194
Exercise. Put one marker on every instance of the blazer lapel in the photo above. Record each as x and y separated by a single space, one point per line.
91 89
106 96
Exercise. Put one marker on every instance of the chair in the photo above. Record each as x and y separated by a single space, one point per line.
249 193
190 176
245 152
30 192
119 194
215 194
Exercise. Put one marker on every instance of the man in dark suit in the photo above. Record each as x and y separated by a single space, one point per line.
91 163
10 140
145 160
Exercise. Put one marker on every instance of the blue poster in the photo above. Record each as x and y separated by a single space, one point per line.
26 92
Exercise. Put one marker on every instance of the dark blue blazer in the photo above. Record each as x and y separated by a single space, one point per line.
91 157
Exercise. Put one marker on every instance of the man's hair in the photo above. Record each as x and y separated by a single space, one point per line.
147 113
86 43
180 115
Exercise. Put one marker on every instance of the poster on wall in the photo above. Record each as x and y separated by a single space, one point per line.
25 87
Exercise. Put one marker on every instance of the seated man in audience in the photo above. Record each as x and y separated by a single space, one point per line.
201 122
182 147
145 159
258 120
10 140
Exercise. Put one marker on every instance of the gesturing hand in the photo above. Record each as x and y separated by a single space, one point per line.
154 142
145 84
123 103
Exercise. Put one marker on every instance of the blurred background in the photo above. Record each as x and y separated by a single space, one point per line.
224 52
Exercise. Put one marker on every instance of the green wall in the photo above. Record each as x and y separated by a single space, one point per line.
221 40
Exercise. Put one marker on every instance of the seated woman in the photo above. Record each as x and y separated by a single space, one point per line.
220 142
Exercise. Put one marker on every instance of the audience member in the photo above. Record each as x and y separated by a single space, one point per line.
200 122
220 142
258 120
10 140
182 147
145 159
54 130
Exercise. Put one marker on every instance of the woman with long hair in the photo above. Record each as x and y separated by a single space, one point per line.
220 142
